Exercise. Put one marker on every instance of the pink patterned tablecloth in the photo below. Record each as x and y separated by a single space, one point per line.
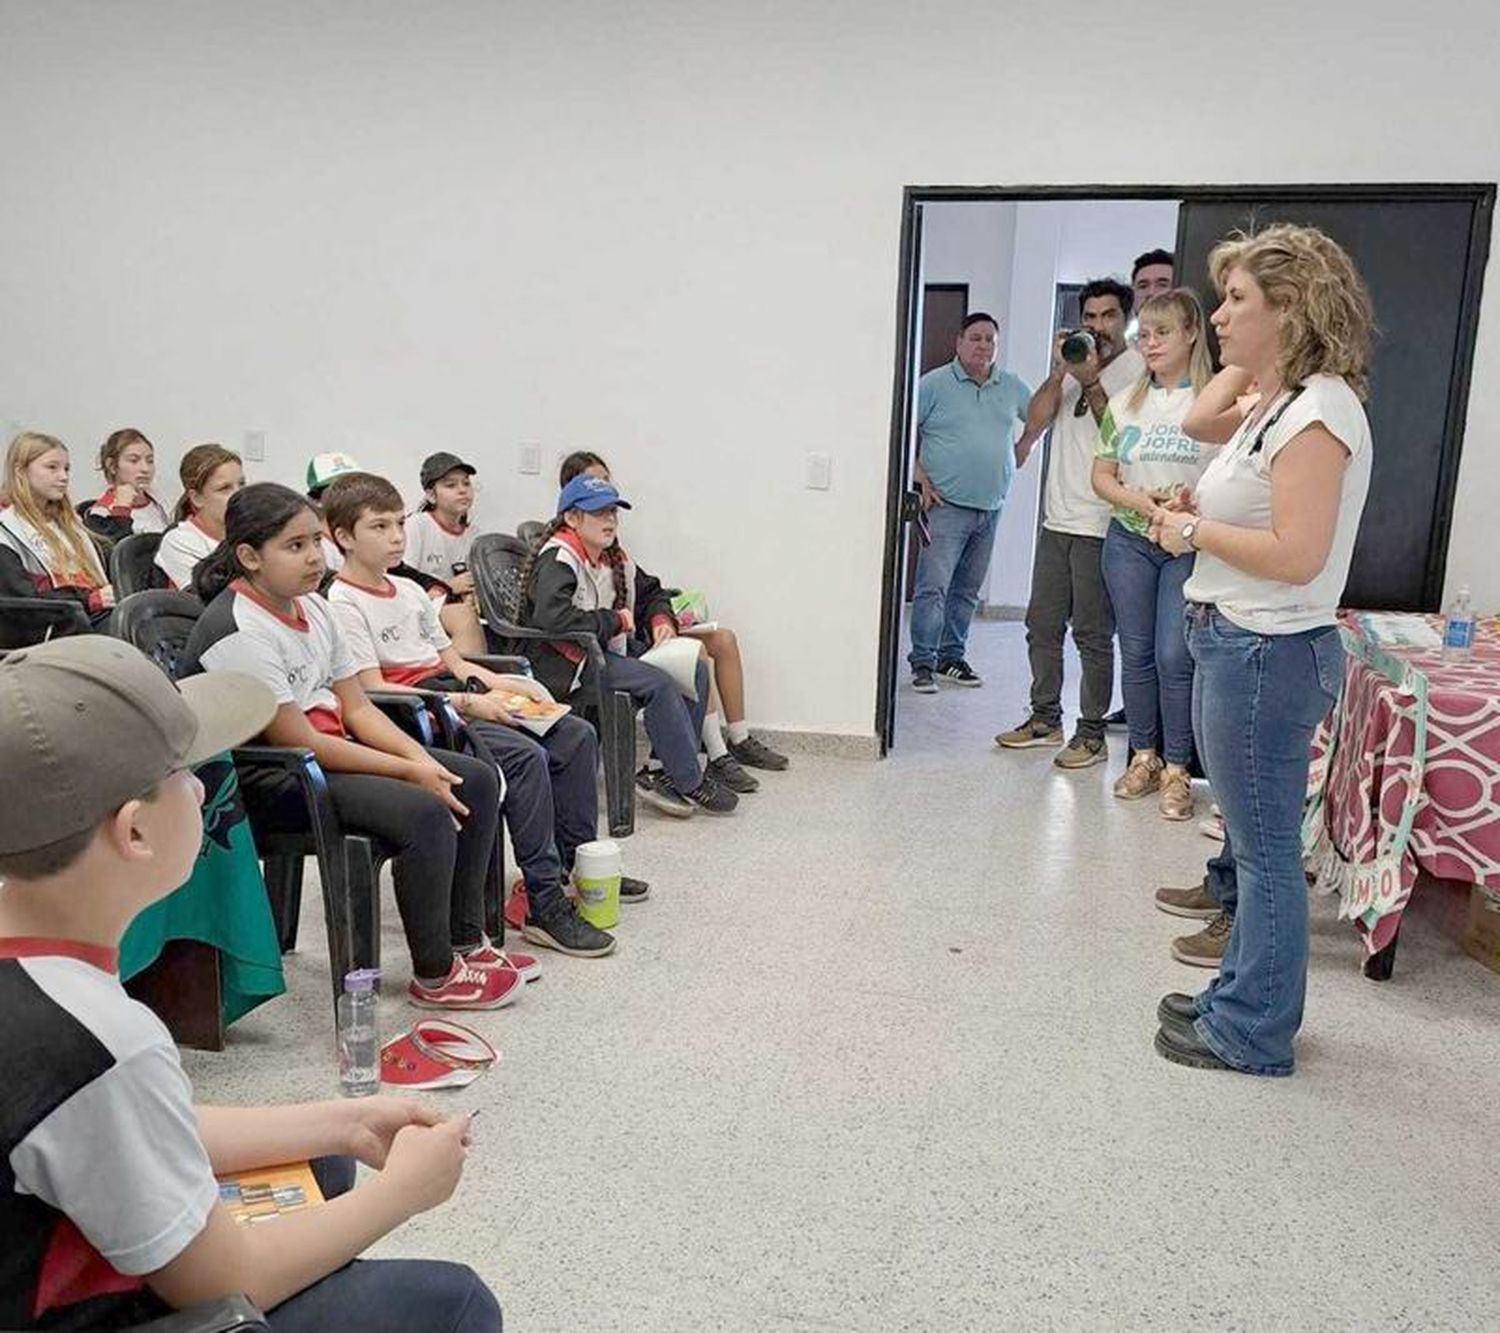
1406 772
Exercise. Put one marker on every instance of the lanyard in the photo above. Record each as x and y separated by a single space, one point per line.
1271 420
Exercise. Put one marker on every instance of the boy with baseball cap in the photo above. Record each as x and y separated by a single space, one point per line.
108 1201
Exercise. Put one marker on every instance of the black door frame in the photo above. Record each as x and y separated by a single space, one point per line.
1480 194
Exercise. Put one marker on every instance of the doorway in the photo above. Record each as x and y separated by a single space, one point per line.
1427 312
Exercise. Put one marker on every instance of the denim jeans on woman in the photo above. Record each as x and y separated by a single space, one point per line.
950 573
1257 699
1156 671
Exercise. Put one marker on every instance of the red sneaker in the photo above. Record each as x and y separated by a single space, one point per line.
487 956
467 987
515 905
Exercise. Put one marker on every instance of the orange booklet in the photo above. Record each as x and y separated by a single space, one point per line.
270 1191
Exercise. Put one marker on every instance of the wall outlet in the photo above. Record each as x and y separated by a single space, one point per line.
531 459
255 446
819 472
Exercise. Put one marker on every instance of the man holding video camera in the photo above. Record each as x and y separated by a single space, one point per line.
1067 585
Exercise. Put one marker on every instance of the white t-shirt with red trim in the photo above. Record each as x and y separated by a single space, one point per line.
433 548
182 547
394 628
298 656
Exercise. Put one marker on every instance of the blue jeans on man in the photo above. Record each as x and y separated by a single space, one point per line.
1257 700
949 573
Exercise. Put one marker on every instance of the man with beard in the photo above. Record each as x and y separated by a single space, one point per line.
1067 583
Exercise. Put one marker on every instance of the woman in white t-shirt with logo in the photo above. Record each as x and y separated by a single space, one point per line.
1145 457
1273 521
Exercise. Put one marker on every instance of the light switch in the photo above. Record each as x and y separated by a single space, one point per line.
255 446
819 472
531 459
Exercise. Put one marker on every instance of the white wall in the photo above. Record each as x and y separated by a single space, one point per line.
667 230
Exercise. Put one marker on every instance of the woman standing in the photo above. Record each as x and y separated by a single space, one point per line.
1273 522
1144 458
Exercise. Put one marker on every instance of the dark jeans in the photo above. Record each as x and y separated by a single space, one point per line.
673 724
1257 699
1156 670
386 1295
1067 587
551 798
949 574
440 871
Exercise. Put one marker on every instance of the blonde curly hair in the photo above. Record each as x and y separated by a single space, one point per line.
1307 277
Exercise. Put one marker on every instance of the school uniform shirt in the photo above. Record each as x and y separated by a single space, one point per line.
109 518
333 558
394 629
28 568
433 548
182 547
298 656
1070 504
103 1176
1150 449
1236 488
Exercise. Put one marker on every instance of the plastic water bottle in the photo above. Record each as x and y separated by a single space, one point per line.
359 1072
1458 626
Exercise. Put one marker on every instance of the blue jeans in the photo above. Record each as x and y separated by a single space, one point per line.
1257 699
949 572
1156 671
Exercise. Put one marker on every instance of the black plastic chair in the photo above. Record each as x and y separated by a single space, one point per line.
530 532
495 561
159 623
28 620
132 564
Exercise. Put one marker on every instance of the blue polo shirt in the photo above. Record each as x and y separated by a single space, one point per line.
966 432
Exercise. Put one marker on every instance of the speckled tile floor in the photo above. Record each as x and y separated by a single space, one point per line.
877 1055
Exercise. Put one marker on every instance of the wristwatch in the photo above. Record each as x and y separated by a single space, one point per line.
1188 530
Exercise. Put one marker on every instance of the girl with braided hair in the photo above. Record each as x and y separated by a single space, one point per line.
581 580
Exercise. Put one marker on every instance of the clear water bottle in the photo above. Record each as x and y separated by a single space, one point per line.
1458 626
358 1035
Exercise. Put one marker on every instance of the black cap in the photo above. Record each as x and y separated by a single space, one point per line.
437 466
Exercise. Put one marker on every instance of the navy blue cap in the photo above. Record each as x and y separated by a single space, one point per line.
589 494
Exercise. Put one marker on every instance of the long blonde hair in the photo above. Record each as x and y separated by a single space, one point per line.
1327 318
1182 304
71 552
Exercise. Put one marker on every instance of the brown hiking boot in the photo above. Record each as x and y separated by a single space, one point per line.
1029 734
1176 799
1206 948
1141 778
1195 902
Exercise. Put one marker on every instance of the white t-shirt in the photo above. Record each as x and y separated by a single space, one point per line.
432 549
298 656
182 547
1148 446
395 629
1071 505
1236 488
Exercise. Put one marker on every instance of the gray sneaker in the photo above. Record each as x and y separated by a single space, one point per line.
1029 734
1083 752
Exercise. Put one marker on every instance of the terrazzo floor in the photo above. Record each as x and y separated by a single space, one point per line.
877 1055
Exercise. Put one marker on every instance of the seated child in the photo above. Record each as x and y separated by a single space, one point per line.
322 470
568 587
723 647
263 618
108 1203
210 474
128 463
45 551
551 797
438 538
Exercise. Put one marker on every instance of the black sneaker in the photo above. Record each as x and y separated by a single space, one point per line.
753 753
656 789
567 932
727 772
713 797
1116 719
959 672
633 890
922 681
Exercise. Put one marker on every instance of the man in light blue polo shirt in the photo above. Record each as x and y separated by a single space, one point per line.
967 453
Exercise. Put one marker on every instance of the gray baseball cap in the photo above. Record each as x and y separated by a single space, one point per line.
88 723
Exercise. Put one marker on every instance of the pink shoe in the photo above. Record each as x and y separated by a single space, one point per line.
487 956
468 987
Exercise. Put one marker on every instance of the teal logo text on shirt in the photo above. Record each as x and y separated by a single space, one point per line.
1162 443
